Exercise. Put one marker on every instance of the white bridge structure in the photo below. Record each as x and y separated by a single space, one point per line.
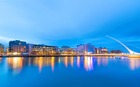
128 49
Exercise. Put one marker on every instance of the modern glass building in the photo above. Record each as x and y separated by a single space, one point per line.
17 46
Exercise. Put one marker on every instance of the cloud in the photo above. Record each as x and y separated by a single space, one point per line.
69 22
5 39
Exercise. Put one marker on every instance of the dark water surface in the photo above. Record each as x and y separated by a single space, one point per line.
69 72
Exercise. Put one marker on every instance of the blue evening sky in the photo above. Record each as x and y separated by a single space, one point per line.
71 22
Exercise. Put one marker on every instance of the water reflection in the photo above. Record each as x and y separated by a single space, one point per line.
102 61
134 63
0 60
87 63
67 61
16 63
42 62
78 62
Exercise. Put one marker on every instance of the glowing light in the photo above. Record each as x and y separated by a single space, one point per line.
134 64
16 53
71 61
59 60
88 63
66 61
52 63
78 61
40 63
16 63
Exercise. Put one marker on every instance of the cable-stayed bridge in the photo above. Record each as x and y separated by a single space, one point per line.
127 48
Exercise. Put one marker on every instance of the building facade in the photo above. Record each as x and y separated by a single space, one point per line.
86 48
29 48
98 50
1 49
43 50
17 46
101 50
104 50
115 51
67 50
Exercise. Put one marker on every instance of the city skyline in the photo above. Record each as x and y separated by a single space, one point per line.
69 43
122 47
23 48
71 22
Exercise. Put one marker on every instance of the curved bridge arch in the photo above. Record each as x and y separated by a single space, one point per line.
128 49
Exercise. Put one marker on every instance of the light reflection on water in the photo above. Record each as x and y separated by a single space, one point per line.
66 71
15 63
134 63
87 63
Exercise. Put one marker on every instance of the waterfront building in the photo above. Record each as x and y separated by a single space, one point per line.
1 49
115 51
7 51
29 48
43 50
97 51
90 48
17 46
66 50
101 50
86 48
104 50
81 48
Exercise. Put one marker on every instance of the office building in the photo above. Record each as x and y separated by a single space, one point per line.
1 49
86 48
43 50
17 46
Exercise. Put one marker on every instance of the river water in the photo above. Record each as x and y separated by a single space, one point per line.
69 72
